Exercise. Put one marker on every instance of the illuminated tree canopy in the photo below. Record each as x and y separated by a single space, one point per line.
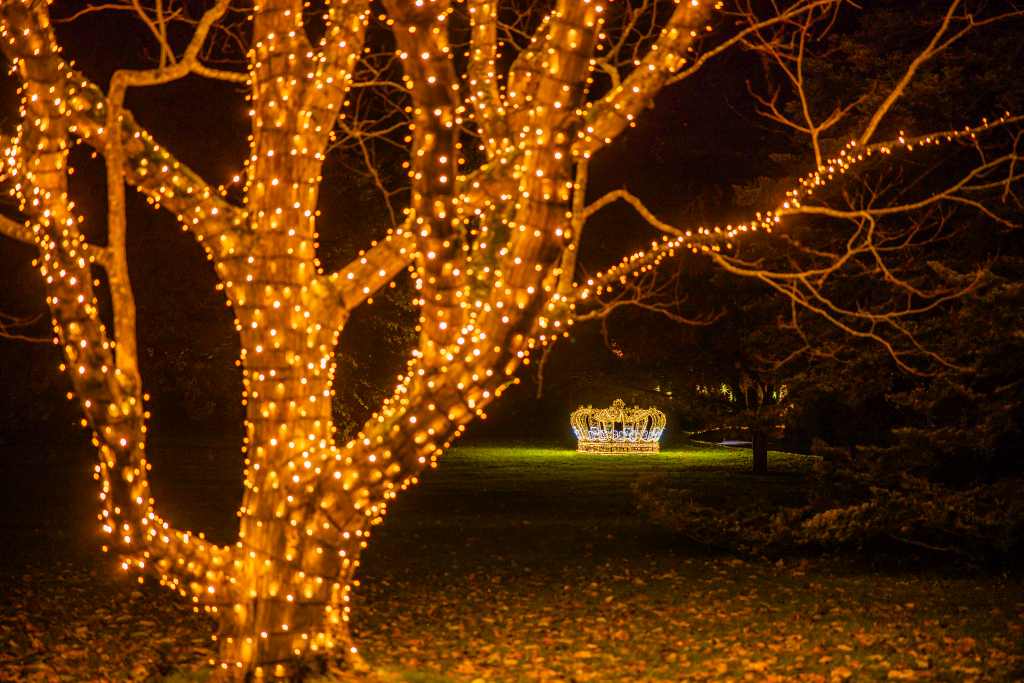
500 135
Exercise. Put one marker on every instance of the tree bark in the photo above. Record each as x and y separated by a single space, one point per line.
759 446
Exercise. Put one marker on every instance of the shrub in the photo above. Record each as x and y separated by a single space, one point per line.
852 508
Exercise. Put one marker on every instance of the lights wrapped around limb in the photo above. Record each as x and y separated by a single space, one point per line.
111 398
308 503
166 182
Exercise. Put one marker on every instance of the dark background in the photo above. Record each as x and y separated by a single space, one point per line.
689 159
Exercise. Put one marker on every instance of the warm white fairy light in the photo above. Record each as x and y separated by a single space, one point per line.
617 429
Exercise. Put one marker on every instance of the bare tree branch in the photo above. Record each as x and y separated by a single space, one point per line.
17 231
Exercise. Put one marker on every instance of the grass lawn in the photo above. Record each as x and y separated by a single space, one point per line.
527 564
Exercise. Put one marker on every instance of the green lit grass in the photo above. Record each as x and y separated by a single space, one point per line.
507 485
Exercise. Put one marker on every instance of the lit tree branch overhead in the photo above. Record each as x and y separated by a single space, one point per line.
497 161
16 230
111 398
805 277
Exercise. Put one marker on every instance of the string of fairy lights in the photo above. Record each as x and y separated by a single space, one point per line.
284 589
716 238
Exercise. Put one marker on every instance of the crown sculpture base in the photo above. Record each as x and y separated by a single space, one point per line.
617 429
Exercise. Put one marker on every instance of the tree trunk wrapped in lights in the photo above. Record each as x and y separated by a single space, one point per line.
492 250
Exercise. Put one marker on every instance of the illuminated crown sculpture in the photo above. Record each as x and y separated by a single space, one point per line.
617 429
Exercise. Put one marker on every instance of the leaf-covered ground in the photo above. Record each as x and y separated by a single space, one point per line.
67 621
524 564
